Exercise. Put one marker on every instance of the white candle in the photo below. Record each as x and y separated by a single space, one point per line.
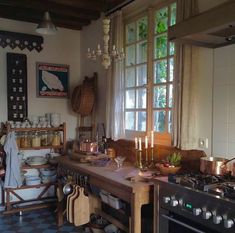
136 143
152 138
140 148
146 142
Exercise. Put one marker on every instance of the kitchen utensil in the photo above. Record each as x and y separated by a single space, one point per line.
67 189
212 165
81 209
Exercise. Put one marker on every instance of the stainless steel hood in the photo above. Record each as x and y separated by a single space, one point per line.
212 29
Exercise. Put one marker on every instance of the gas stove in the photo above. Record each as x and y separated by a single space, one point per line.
223 186
195 203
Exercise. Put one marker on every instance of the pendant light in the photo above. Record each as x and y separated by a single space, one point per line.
46 26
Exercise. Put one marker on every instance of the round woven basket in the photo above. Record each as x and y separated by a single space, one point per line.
82 100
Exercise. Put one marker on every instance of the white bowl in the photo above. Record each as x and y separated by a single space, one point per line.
48 172
33 180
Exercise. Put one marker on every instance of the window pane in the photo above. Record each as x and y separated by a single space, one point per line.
141 98
142 28
130 55
141 120
142 52
130 120
172 48
173 14
130 98
160 44
141 75
170 93
159 121
161 18
160 71
171 70
130 33
159 100
170 122
130 77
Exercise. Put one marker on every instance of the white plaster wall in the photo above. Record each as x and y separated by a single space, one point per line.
224 102
91 36
62 48
205 77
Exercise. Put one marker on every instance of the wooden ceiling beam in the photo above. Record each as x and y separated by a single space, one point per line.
52 8
98 5
36 18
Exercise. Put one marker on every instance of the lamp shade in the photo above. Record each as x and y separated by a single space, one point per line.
46 26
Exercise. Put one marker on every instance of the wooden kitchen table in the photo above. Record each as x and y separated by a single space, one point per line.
114 182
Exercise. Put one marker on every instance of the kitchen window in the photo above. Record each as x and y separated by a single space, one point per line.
149 74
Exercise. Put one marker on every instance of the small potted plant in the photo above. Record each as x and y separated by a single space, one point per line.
171 164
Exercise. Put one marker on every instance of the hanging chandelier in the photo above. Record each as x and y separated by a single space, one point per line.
106 55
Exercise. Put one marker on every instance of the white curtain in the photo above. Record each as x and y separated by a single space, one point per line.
115 127
185 134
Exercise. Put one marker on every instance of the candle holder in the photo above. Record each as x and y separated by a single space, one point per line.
136 158
152 164
146 164
140 164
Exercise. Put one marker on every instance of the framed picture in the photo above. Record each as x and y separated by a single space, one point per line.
52 80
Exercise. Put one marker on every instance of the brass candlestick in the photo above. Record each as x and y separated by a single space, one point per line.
146 158
136 158
140 164
152 164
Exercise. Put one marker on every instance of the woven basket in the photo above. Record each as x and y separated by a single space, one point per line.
82 100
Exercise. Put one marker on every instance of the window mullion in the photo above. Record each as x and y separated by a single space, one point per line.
150 69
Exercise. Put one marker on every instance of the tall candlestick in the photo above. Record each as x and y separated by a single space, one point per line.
140 142
136 143
152 138
146 142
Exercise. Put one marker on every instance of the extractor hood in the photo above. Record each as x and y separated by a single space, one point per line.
212 29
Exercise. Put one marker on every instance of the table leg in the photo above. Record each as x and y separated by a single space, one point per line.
137 200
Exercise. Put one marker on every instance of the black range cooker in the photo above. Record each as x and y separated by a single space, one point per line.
195 203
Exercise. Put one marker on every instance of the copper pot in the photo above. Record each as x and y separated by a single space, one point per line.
212 165
215 165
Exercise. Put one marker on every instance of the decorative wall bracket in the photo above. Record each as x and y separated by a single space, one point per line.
21 40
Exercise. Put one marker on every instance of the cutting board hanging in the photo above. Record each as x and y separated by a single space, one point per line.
81 209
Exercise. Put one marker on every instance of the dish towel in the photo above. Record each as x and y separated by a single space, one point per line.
13 177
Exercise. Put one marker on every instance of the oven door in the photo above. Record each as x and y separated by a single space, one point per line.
173 223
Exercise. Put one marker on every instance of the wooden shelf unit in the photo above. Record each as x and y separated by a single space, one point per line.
10 205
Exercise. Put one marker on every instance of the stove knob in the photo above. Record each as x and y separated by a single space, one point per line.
228 223
174 202
217 219
166 200
197 211
206 214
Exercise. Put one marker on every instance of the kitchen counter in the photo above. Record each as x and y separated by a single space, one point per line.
136 193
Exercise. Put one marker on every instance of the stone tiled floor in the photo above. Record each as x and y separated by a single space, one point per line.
39 221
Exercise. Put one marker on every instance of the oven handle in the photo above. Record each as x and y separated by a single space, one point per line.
181 223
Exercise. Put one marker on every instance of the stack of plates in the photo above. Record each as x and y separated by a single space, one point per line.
36 160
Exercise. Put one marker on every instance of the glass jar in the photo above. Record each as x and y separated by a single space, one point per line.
36 140
44 139
25 140
18 138
56 140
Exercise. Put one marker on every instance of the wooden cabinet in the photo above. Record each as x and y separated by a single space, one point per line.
39 201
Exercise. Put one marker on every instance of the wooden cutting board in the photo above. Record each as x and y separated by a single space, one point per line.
71 204
81 209
67 204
